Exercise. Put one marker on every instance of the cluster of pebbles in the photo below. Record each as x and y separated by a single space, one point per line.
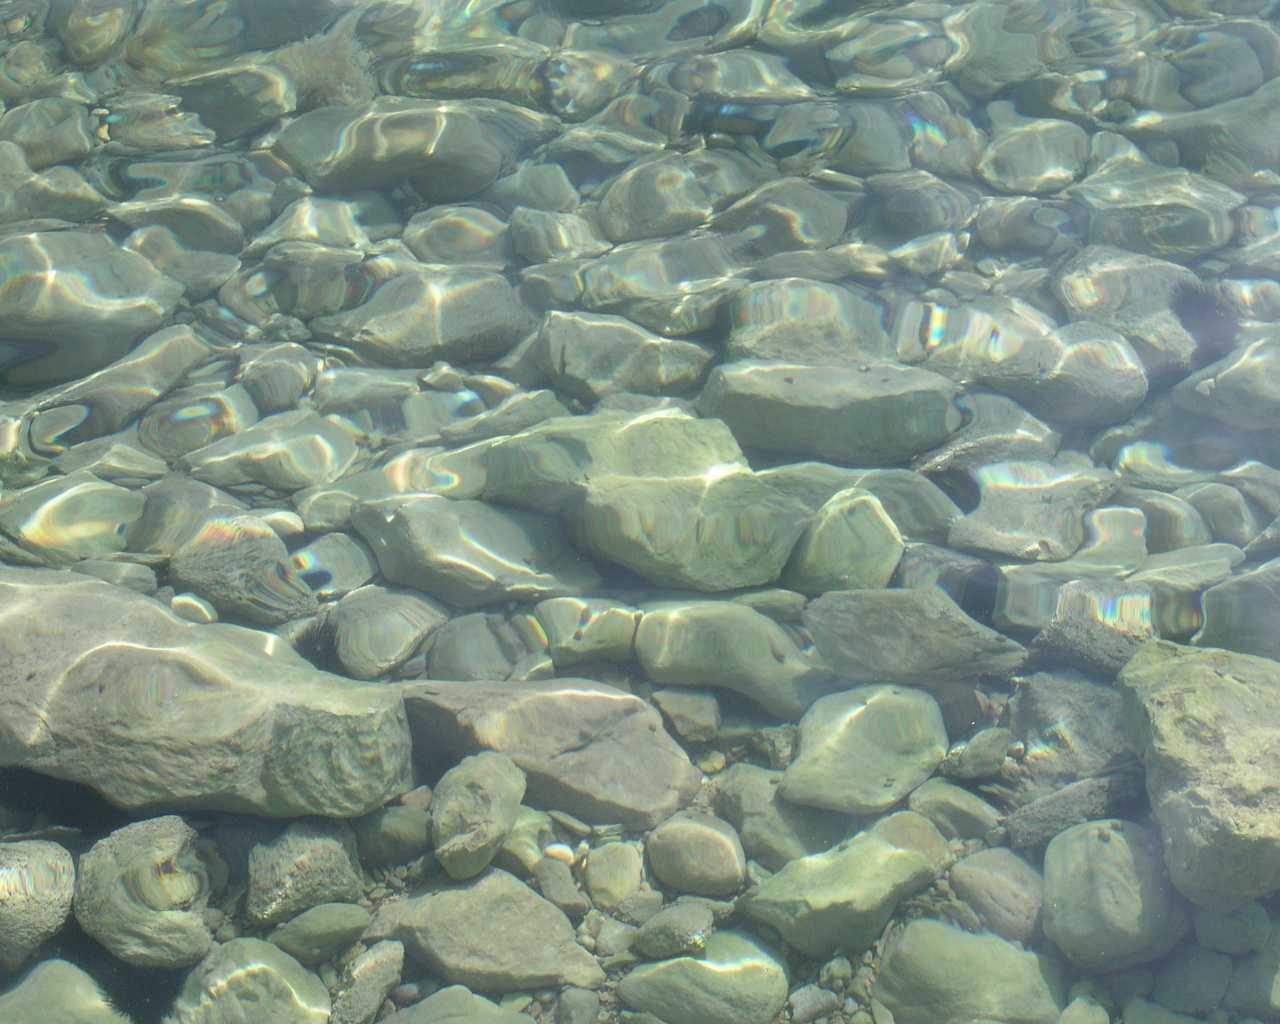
683 511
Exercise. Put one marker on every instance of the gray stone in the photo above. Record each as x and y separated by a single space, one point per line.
142 892
1240 613
581 629
310 863
1241 930
837 323
842 899
694 714
366 982
576 1006
1192 980
933 973
1108 904
375 629
680 929
587 748
393 835
697 853
657 195
738 981
1138 1011
38 879
57 990
1104 796
456 1005
492 933
729 645
613 872
241 977
863 750
850 544
1005 891
468 553
1203 723
241 567
558 886
473 809
1097 625
66 518
286 452
772 830
955 812
917 636
319 934
874 418
1255 982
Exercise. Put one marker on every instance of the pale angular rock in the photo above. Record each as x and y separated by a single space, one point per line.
933 973
142 892
241 977
727 644
311 863
835 325
863 750
120 694
473 809
366 982
580 629
842 899
850 544
917 636
38 879
737 981
455 1004
873 414
1108 904
492 934
469 553
1239 613
697 853
587 748
656 196
57 990
1203 722
375 629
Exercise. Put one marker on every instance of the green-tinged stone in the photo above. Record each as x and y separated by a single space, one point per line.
1242 613
863 750
933 973
1255 982
67 518
613 872
850 544
874 418
239 978
58 990
1204 723
917 636
842 899
955 812
581 629
772 830
1242 930
738 981
697 853
318 934
473 809
456 1005
726 644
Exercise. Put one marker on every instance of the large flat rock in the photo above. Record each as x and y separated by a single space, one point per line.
105 687
1206 725
587 748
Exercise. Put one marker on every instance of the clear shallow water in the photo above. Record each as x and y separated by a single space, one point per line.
798 481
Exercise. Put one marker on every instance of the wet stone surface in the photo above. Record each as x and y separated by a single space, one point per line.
618 512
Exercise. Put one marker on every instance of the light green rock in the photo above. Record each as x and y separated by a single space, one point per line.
737 981
473 809
1255 982
58 991
287 452
1192 980
613 872
917 636
934 973
841 900
850 544
1204 723
238 979
697 853
873 414
726 644
955 812
456 1005
1107 901
318 934
582 629
772 830
393 835
1244 929
67 518
863 750
1139 1011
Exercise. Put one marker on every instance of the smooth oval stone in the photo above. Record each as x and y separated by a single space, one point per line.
934 973
458 236
612 873
850 544
38 879
375 629
68 518
1192 980
142 891
243 975
1032 155
697 853
1108 904
878 417
473 809
676 930
863 750
781 216
736 981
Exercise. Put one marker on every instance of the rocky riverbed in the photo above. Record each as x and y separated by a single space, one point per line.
650 511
